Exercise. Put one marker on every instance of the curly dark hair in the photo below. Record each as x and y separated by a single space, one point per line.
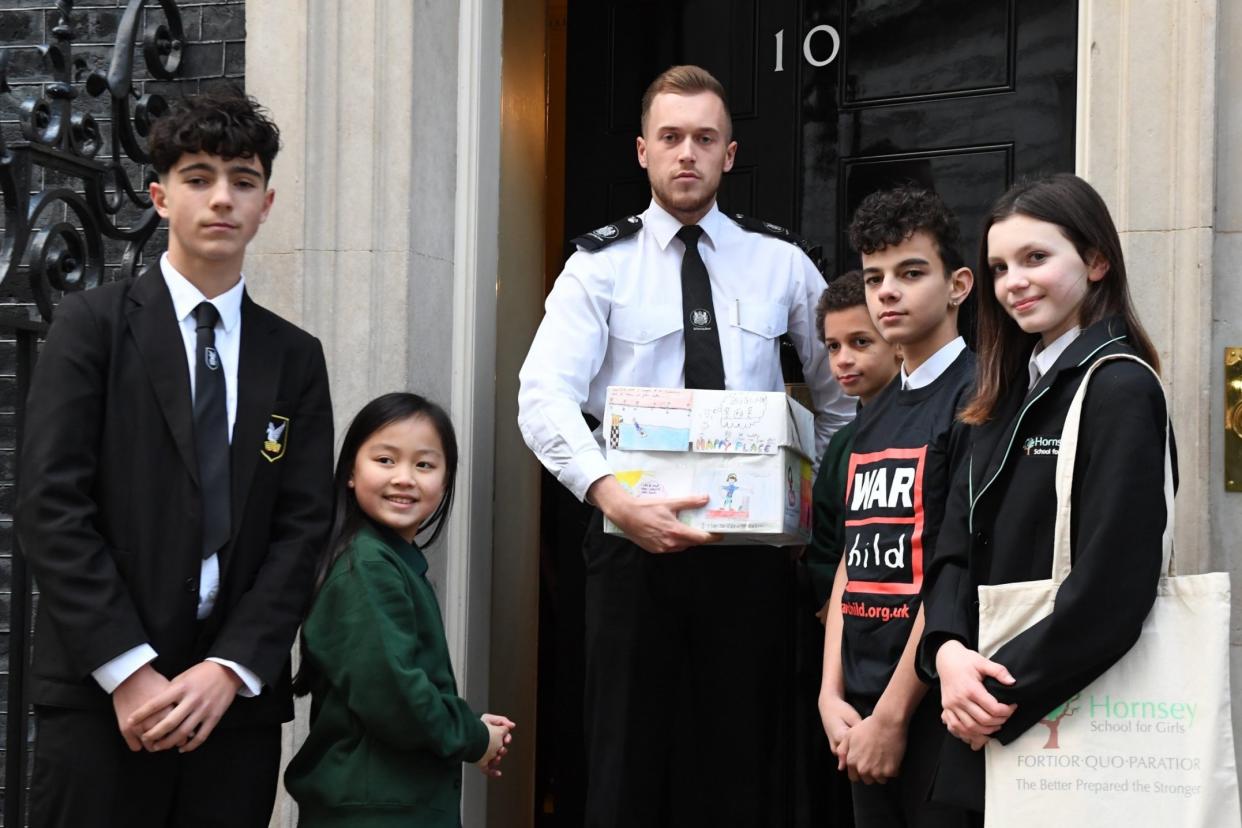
844 292
227 124
889 217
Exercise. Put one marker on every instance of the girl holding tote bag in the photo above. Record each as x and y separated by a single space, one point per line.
1059 303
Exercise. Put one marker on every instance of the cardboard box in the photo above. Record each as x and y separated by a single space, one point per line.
749 451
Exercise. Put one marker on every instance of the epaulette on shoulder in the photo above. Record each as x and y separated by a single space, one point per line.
755 225
609 233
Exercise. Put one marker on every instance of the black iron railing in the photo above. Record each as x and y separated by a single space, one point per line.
55 237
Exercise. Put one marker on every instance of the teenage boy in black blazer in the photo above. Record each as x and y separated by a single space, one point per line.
175 489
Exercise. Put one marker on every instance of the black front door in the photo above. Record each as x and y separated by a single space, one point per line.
831 100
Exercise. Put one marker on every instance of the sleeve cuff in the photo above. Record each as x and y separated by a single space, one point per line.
925 656
251 685
112 673
584 470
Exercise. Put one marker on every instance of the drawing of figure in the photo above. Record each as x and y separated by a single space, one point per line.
729 488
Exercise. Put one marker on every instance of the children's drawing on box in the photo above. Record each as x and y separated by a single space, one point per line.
804 519
660 429
791 494
729 488
736 502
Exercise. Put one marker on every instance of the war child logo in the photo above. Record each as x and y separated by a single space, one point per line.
884 527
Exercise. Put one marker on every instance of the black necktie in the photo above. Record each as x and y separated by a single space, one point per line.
704 364
211 431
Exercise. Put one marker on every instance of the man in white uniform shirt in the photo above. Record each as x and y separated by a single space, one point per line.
685 653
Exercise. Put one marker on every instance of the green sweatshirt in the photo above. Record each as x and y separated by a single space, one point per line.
824 551
388 732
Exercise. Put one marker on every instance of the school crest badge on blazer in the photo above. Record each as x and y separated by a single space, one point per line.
277 438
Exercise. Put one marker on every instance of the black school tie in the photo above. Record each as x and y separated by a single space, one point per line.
211 431
704 363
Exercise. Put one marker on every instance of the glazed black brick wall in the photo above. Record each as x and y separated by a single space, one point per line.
215 33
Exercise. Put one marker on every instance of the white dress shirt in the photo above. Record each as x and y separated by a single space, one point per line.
185 298
614 317
1043 358
935 365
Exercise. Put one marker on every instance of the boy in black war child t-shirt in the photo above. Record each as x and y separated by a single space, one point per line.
882 722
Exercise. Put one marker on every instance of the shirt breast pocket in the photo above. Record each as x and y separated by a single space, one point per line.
639 337
760 325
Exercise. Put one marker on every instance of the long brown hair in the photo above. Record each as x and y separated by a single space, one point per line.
1080 214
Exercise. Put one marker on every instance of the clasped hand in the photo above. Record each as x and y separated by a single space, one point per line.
871 751
155 713
499 735
970 712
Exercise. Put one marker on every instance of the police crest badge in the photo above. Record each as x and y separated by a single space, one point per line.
277 438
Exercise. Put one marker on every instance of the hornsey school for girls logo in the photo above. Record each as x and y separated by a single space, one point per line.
1042 446
700 318
213 359
277 438
1054 718
884 522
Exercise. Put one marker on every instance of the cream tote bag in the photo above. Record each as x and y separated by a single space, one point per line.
1150 742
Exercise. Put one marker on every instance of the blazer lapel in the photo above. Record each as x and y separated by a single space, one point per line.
155 330
992 442
258 375
995 440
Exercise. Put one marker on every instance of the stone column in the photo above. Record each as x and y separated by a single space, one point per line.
1226 507
1146 140
382 243
1160 85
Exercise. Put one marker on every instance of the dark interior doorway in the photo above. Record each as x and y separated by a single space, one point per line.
831 100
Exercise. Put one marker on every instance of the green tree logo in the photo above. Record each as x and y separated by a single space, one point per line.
1053 721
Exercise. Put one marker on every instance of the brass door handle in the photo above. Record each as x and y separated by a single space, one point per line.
1233 419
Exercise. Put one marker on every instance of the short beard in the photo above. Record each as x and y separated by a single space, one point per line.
684 204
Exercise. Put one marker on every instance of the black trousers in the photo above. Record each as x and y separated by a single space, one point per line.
86 777
902 802
688 693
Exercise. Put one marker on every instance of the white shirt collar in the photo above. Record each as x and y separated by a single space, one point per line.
935 365
1043 358
186 297
665 226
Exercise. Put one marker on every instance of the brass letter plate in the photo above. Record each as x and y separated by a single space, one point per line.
1233 419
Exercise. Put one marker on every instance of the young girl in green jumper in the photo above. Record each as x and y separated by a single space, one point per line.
388 731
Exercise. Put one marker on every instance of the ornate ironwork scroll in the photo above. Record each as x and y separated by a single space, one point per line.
41 252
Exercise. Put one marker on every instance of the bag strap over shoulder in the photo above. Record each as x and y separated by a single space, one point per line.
1062 540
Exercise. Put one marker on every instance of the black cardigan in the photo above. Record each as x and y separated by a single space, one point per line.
998 529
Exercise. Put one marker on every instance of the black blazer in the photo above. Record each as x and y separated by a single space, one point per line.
109 511
1005 536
